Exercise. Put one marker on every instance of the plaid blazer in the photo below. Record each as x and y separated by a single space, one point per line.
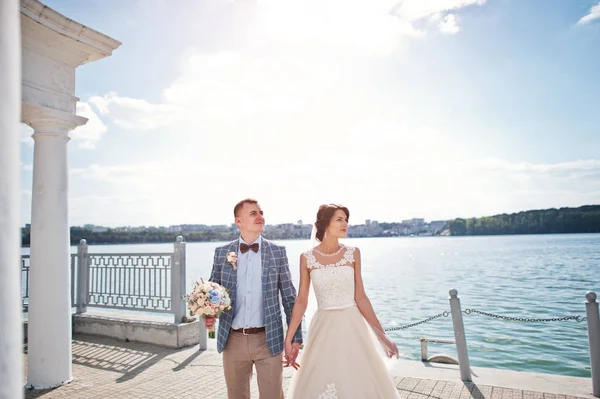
276 278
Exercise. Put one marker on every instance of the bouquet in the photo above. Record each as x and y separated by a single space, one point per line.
208 299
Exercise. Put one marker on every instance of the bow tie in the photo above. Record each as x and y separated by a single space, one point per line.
245 247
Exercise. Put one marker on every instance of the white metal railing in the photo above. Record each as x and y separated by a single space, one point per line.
150 282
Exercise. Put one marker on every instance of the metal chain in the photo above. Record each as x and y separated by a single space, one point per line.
445 314
578 319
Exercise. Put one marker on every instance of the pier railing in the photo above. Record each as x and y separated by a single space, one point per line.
148 282
25 267
593 327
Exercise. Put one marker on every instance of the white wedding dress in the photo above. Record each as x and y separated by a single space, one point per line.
340 360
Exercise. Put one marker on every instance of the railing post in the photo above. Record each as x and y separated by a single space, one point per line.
178 281
459 335
593 324
82 276
423 349
204 335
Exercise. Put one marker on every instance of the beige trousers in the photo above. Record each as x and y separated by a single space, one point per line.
240 354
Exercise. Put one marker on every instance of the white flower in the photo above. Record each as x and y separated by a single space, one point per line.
232 259
206 287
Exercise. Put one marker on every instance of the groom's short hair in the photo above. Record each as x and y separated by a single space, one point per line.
240 205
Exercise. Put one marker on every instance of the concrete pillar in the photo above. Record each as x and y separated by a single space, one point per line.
49 330
11 328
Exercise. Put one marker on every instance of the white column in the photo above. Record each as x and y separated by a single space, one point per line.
11 328
49 330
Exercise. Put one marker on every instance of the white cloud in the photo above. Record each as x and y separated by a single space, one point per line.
579 166
431 11
593 15
135 114
346 25
373 26
281 69
172 192
449 25
118 174
88 135
278 69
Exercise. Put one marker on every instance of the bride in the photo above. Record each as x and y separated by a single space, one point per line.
340 359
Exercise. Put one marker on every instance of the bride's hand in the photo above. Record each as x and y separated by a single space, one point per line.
390 347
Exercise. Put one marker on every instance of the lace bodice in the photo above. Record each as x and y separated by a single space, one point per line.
333 283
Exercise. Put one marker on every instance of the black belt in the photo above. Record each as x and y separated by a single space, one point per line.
248 331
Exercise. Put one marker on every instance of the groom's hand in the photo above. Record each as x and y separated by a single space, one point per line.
209 321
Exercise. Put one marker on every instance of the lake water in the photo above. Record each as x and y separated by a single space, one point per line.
408 279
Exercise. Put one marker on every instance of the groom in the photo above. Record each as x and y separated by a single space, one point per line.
254 271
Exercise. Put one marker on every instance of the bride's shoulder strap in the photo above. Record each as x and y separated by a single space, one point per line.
311 262
349 254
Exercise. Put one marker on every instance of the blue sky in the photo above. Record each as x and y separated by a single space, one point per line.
397 109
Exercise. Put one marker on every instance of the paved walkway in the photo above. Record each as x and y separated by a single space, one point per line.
106 368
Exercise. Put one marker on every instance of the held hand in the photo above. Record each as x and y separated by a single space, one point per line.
287 353
295 353
209 321
291 353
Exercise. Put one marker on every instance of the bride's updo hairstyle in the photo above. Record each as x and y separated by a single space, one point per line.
324 216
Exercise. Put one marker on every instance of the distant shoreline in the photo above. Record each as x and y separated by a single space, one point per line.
581 220
300 239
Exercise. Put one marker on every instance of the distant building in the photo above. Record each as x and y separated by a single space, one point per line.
437 225
286 226
413 222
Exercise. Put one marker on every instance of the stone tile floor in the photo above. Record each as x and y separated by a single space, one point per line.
107 368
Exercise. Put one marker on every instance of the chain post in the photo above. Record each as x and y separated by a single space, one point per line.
459 336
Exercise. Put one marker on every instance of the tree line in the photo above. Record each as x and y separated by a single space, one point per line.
584 219
152 235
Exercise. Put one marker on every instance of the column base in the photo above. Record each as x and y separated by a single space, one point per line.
31 387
